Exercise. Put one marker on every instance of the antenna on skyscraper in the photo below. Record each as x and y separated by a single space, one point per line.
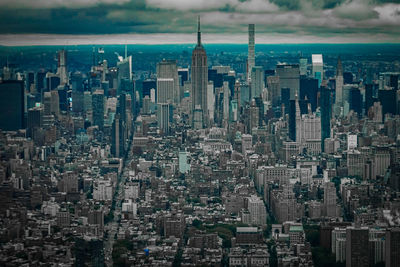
198 31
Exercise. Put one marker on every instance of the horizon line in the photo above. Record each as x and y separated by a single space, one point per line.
21 40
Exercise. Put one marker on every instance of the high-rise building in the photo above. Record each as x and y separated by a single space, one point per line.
289 77
124 67
164 117
62 67
339 88
98 108
317 67
251 61
11 105
118 137
199 84
33 120
392 250
357 247
165 90
257 210
55 103
168 69
388 101
330 200
309 91
326 111
303 66
257 81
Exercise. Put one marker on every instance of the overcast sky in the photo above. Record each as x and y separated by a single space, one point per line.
26 22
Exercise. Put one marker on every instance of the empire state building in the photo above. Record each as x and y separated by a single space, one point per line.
199 84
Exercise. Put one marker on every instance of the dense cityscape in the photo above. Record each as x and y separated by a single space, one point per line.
177 156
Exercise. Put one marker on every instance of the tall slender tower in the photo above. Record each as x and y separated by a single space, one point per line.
62 66
199 84
339 88
251 62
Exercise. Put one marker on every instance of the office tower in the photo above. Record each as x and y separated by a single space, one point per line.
11 105
168 69
164 117
77 81
298 123
339 100
292 120
87 101
326 113
52 81
124 67
257 81
30 81
388 101
355 100
147 85
254 116
317 68
54 103
47 103
98 108
165 90
289 77
118 137
77 101
285 98
357 247
392 247
251 61
40 78
274 90
211 101
183 73
257 210
303 66
330 199
369 97
62 67
199 83
309 91
33 120
226 102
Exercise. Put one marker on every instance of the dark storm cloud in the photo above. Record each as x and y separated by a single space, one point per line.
313 17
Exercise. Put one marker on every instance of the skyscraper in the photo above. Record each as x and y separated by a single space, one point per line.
199 84
11 105
251 62
168 69
257 81
392 250
326 111
98 108
339 88
317 67
357 247
289 77
62 67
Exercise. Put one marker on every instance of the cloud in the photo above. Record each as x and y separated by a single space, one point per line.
318 18
356 10
41 4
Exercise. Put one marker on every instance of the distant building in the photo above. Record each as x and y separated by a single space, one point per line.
11 105
199 84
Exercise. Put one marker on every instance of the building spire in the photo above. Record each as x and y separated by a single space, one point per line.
339 68
198 32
